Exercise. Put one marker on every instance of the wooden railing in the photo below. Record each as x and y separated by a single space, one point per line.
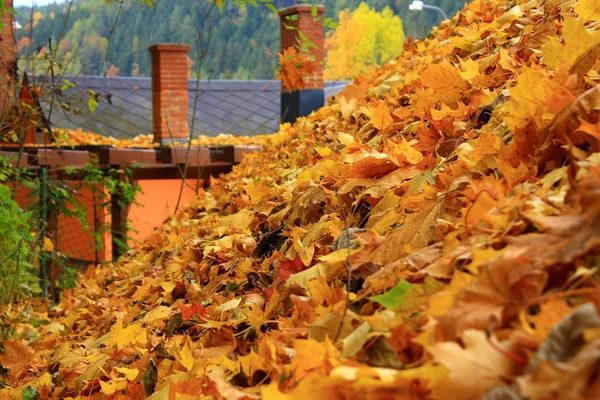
157 164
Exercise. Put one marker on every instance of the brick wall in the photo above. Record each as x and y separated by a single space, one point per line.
312 28
169 92
8 62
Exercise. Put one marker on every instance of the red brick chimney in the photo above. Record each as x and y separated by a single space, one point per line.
8 61
169 92
295 19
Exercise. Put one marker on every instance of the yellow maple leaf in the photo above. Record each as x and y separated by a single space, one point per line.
347 140
444 78
324 151
168 286
577 39
240 220
434 374
535 97
480 257
441 301
379 115
48 245
589 10
417 230
336 257
252 362
123 337
186 357
402 152
427 337
313 356
257 190
306 254
469 69
551 313
142 291
447 111
507 61
112 386
158 312
130 373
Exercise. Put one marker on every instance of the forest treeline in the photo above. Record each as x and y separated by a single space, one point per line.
243 40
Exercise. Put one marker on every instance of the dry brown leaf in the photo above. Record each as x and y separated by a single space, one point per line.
16 358
474 369
416 232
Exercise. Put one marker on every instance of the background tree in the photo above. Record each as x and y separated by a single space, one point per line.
363 38
244 39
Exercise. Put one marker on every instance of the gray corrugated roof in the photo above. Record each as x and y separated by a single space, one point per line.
223 106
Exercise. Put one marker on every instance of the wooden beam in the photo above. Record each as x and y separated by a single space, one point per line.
148 172
61 158
177 155
221 154
174 171
112 156
15 159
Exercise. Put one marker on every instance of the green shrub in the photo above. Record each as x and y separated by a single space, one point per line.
17 266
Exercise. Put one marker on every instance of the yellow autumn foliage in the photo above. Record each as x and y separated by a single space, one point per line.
363 38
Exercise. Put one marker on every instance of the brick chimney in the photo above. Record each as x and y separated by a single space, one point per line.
8 61
169 92
294 19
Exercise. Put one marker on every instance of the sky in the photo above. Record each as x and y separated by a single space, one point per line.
18 3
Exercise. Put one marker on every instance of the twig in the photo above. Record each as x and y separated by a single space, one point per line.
182 172
110 35
201 54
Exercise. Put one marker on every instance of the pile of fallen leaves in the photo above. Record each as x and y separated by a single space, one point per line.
459 185
79 137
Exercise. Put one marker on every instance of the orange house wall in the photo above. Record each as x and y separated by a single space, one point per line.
156 204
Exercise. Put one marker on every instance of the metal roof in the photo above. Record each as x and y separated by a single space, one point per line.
248 107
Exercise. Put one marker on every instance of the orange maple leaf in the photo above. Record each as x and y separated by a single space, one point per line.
17 359
295 68
191 311
289 267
